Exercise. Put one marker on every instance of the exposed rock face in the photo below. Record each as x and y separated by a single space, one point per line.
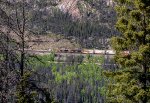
71 7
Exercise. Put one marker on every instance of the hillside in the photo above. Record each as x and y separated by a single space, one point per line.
50 42
87 23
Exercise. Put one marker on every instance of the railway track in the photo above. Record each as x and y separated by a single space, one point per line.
44 52
108 63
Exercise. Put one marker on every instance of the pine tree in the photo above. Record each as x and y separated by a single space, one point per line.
131 83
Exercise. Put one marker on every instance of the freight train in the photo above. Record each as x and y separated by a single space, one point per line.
86 51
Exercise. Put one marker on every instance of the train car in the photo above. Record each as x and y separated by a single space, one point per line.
87 51
76 50
63 50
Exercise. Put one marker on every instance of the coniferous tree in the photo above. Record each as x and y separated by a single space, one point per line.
131 84
14 33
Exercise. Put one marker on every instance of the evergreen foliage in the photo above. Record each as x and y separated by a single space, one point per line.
23 94
29 92
131 84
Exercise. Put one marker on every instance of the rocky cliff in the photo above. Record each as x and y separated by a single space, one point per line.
71 7
77 7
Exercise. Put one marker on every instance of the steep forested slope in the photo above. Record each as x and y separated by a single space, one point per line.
84 21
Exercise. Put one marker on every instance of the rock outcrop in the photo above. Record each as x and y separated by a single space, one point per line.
71 7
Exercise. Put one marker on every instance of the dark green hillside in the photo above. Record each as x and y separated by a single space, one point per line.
97 22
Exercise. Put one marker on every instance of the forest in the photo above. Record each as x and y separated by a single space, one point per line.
41 74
